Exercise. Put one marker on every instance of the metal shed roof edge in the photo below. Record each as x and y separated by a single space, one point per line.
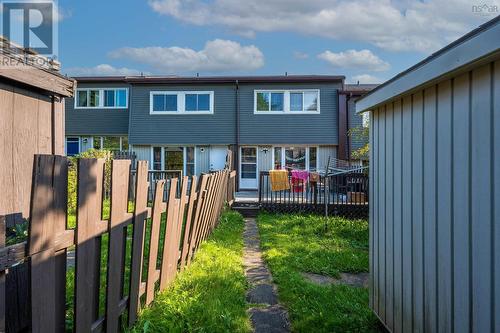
482 42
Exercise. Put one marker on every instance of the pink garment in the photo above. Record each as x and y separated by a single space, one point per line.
300 174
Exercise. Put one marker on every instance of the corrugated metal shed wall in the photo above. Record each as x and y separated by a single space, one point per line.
435 218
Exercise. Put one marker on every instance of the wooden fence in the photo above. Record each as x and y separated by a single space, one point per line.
341 195
146 246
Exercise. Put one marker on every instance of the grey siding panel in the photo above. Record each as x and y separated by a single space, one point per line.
143 153
461 206
265 158
444 208
202 160
481 199
398 218
496 205
217 128
417 212
389 211
407 215
434 217
429 207
321 129
324 153
96 121
381 203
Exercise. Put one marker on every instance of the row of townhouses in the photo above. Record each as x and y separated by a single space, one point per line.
188 124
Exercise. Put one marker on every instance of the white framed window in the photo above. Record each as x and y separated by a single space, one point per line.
171 158
287 101
295 158
181 102
101 98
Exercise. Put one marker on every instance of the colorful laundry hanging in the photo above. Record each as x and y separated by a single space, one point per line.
279 180
299 180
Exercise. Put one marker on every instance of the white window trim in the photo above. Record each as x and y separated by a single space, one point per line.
181 102
286 102
282 158
101 98
184 158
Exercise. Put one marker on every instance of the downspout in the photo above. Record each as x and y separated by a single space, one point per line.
348 139
237 150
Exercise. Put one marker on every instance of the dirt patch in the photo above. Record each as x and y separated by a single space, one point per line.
359 280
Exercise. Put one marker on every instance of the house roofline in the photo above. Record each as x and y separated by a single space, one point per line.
211 79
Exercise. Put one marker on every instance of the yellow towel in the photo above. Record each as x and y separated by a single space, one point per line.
279 180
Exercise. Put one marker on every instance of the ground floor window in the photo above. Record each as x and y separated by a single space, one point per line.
169 158
112 143
296 158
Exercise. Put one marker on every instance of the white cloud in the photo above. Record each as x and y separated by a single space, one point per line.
300 55
392 25
362 60
365 79
103 69
217 56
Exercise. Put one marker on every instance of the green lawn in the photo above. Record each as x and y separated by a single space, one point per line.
209 296
293 244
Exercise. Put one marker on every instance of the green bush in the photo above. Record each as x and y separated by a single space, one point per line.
73 174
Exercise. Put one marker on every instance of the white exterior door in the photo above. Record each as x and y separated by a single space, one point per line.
248 168
217 158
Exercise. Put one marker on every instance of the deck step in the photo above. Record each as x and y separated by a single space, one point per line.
247 210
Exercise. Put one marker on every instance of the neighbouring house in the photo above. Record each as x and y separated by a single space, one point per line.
188 123
435 190
32 93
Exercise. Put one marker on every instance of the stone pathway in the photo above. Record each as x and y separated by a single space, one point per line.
268 316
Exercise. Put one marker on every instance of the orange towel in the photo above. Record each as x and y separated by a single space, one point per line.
314 177
279 180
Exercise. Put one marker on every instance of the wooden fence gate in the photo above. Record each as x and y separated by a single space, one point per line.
157 238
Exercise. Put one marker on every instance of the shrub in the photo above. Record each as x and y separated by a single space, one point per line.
72 174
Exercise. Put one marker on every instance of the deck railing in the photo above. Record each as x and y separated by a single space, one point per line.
343 195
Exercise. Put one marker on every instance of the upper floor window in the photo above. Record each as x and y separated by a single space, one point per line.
287 101
181 102
112 98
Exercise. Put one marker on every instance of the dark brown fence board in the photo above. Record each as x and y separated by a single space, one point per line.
197 216
189 222
119 219
140 216
154 239
48 219
88 250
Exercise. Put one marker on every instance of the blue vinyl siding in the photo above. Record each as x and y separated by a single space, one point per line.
171 129
290 128
96 121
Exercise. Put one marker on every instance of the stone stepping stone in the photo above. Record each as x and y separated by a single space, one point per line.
262 294
273 319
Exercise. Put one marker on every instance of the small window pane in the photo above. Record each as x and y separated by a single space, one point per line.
204 102
191 102
121 98
311 101
97 142
174 159
157 158
72 146
296 101
82 98
262 101
249 171
295 158
313 154
171 102
249 155
158 103
277 158
94 98
109 98
190 169
125 143
277 101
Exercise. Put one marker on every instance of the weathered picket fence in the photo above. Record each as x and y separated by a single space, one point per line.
172 231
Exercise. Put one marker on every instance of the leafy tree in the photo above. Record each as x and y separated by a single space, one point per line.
362 134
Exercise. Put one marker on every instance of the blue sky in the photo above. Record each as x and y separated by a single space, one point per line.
364 40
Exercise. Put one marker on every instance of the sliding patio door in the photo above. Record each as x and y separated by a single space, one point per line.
248 168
